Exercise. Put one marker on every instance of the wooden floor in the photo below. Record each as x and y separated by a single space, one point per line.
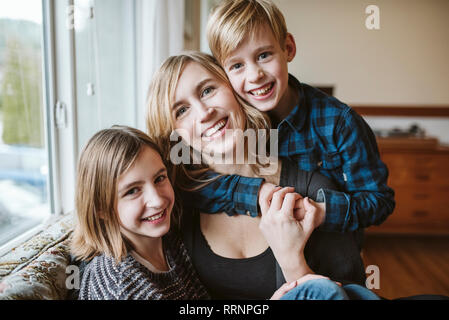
409 265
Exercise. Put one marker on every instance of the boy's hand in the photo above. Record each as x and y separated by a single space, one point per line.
304 205
266 195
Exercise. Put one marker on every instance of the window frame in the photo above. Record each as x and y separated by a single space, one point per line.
58 83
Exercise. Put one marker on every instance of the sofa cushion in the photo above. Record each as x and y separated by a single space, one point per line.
36 269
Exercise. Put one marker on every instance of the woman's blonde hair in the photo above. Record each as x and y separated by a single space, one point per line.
161 97
107 155
233 20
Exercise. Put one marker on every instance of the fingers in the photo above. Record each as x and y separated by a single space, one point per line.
289 204
299 211
266 196
309 217
278 198
286 287
312 276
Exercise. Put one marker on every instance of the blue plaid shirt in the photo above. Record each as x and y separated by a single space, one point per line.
323 134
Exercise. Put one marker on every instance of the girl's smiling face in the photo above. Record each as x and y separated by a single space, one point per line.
206 111
145 198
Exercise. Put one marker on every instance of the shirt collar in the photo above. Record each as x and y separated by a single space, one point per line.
297 117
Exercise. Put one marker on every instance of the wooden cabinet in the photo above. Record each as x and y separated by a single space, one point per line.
419 174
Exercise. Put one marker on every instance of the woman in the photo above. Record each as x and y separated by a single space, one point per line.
235 256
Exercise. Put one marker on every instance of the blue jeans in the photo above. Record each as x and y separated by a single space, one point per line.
324 289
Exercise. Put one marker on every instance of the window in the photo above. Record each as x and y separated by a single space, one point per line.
24 196
105 65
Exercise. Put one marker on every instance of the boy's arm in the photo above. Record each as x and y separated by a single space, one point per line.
367 199
232 194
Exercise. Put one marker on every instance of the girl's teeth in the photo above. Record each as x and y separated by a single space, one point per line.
154 217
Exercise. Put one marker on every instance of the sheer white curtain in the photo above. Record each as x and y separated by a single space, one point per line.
159 34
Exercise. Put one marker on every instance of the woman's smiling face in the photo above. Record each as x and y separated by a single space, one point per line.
206 111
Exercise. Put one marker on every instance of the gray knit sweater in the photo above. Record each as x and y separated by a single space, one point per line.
103 279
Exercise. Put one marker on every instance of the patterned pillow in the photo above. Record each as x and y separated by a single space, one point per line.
43 278
37 268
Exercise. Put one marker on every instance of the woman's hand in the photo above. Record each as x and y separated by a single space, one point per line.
286 287
287 236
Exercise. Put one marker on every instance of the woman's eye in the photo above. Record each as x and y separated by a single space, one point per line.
180 111
160 178
206 91
235 66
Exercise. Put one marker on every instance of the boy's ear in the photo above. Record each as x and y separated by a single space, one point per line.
290 47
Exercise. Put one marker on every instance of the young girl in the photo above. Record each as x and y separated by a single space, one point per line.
125 205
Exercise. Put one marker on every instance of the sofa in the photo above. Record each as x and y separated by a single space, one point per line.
36 269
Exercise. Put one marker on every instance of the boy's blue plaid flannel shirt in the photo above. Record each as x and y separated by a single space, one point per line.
322 134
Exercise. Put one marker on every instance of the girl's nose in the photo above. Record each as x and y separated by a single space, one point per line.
153 198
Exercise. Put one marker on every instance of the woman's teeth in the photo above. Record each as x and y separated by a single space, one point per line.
220 125
155 217
262 91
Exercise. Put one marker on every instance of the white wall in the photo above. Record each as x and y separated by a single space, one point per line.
406 62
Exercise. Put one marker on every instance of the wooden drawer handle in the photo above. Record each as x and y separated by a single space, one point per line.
421 196
420 213
422 177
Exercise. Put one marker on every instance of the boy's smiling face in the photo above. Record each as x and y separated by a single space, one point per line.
258 71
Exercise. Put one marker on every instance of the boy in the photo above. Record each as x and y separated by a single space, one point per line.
249 38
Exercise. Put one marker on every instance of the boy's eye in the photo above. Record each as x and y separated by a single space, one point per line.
181 110
161 178
235 66
264 55
206 91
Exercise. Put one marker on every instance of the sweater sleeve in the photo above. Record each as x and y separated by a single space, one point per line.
100 281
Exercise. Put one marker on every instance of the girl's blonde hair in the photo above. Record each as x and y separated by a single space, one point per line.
233 20
107 155
161 97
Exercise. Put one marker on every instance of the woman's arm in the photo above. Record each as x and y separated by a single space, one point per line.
286 235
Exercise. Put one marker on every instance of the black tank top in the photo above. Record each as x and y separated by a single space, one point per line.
332 254
227 278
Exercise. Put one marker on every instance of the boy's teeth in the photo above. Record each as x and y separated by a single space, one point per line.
215 128
261 91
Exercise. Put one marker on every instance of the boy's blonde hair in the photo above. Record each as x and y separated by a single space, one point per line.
232 20
107 155
161 97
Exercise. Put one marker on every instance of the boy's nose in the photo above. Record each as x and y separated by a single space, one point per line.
255 73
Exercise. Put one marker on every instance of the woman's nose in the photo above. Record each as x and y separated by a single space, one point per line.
204 112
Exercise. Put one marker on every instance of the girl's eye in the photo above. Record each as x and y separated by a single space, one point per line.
180 111
264 55
206 91
235 66
161 178
131 192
